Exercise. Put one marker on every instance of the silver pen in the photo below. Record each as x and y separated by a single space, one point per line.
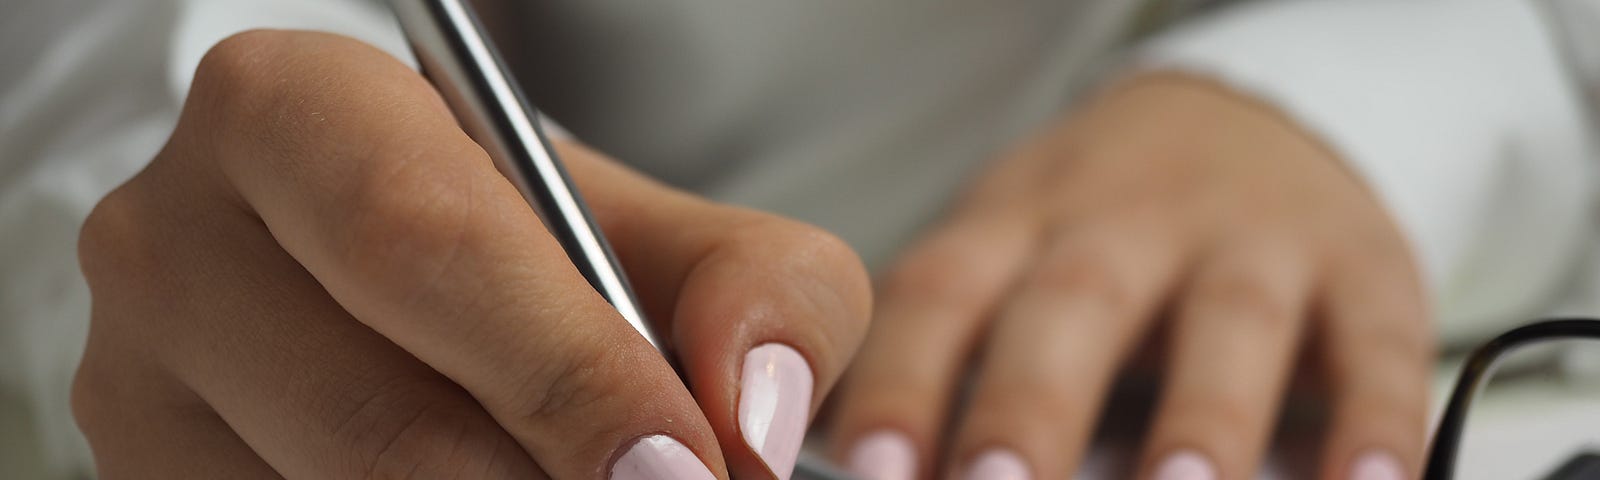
457 56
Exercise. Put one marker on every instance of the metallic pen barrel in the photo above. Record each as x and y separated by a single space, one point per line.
449 42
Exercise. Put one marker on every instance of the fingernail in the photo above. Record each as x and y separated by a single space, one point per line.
1186 465
1376 465
775 404
883 455
998 464
659 457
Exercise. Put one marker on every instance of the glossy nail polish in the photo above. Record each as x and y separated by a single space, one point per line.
998 464
659 457
1376 465
1185 465
883 455
775 405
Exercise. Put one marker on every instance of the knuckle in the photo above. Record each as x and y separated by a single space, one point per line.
135 245
944 271
1245 298
812 245
235 56
811 269
584 379
1383 312
116 242
110 382
936 276
567 387
1090 277
1220 413
1390 288
799 246
102 237
1401 344
405 428
1043 400
883 387
236 74
399 205
254 66
401 227
432 444
806 251
88 398
273 88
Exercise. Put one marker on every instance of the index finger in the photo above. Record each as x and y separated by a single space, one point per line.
765 312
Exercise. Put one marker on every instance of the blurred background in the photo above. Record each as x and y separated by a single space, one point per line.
866 118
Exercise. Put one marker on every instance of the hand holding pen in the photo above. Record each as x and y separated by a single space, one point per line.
353 290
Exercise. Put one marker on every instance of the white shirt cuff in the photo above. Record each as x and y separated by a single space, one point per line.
1459 114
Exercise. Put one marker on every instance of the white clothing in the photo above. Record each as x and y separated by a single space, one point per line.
1467 117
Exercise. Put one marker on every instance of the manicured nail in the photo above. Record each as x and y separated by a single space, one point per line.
998 464
1376 465
659 457
1186 465
775 404
883 455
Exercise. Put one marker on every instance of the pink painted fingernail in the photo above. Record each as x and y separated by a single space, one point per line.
883 455
659 457
1186 465
998 464
775 405
1377 465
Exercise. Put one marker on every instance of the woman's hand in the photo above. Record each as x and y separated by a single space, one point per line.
1167 202
321 276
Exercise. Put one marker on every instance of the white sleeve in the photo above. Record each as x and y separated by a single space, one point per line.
1460 114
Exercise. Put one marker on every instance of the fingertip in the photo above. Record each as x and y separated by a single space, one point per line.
1185 464
883 455
765 320
1376 464
775 405
1374 445
659 457
998 464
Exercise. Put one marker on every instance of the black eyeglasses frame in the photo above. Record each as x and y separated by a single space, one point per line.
1447 437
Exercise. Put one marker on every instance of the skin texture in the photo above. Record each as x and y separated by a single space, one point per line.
321 276
1167 208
